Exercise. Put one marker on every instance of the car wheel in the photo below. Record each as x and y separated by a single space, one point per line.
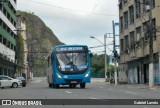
23 85
14 85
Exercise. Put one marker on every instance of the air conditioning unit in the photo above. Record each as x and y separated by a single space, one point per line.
147 7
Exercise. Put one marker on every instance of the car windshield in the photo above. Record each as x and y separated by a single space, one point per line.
72 61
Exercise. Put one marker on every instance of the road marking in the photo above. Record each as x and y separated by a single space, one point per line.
68 92
109 89
93 98
130 92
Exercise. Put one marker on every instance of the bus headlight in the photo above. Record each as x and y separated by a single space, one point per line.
87 74
58 75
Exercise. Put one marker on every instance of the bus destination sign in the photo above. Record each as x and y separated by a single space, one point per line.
61 49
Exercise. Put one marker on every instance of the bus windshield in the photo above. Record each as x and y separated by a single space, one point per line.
68 62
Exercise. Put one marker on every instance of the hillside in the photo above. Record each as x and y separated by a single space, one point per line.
40 41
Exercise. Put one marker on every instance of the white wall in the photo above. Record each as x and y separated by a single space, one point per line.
8 23
8 52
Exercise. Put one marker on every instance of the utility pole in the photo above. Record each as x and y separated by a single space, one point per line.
151 72
107 35
114 51
105 63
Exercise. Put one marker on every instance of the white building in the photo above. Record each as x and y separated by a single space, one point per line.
7 37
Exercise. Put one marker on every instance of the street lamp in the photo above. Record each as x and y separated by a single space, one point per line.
105 60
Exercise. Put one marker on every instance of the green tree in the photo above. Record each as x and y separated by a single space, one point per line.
98 70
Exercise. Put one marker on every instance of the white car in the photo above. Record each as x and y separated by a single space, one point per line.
6 81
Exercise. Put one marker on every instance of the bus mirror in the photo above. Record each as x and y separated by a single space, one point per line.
91 55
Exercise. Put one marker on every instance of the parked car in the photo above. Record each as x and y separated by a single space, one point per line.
22 79
6 81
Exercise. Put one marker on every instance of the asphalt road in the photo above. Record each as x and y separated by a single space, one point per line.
96 90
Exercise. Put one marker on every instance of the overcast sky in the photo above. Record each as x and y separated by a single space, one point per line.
74 21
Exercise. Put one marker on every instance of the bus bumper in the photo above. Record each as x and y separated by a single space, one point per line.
73 79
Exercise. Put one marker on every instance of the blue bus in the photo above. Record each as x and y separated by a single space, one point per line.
69 65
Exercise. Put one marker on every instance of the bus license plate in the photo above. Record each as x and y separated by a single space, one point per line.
73 81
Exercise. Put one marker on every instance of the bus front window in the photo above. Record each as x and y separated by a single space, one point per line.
71 62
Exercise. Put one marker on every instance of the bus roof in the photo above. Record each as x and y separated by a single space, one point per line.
69 45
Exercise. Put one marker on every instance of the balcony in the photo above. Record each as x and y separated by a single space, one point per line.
155 46
146 49
126 58
121 59
139 52
132 55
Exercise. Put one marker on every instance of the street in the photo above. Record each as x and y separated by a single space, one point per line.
38 89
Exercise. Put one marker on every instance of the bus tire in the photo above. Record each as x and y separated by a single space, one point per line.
56 85
70 85
53 85
82 85
50 85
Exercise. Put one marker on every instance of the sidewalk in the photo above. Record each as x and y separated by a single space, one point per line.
98 80
140 86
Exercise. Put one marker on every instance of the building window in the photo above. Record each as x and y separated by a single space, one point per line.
121 24
4 41
145 2
131 13
145 30
122 48
154 28
138 36
1 22
125 2
152 3
132 42
1 39
138 8
120 5
126 44
1 7
126 19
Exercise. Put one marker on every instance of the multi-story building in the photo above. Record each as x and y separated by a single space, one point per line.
21 25
139 22
7 37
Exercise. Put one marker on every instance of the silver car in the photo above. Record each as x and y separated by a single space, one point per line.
6 81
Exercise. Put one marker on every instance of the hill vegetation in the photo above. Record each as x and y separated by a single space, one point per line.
40 41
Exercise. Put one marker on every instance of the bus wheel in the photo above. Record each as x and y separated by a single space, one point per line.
50 85
53 85
82 85
57 85
70 85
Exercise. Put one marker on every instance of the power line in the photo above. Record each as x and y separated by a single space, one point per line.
71 9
